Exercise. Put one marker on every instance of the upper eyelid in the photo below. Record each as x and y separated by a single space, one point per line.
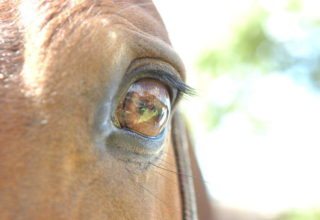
164 74
158 69
164 70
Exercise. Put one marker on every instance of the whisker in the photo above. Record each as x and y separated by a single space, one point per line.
163 168
166 162
145 188
164 176
180 173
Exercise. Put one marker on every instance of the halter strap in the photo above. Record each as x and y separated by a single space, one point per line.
180 143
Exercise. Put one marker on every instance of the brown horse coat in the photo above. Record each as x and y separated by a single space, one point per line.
62 65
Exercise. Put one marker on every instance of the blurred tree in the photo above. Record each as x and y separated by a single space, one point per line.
311 214
284 41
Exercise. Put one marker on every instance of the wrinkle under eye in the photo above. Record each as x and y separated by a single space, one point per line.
145 109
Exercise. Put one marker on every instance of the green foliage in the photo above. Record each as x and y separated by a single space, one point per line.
253 50
294 5
214 114
251 47
311 214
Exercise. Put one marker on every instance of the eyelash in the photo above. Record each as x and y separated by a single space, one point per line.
176 86
181 87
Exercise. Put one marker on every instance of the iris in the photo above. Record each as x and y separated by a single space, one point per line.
145 108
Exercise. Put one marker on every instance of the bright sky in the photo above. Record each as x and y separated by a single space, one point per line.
269 171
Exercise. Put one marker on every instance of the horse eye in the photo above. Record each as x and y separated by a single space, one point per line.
145 109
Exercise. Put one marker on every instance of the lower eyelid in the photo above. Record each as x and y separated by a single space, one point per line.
130 144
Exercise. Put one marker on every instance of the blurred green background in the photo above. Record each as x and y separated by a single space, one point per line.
255 65
257 48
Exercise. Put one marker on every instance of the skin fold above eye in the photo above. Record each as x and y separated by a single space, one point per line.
145 109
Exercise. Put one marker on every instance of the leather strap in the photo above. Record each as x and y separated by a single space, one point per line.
180 142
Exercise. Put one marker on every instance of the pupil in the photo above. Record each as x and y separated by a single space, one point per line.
142 107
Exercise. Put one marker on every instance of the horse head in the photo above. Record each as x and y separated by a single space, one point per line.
88 90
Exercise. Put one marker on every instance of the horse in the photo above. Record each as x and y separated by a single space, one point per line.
89 125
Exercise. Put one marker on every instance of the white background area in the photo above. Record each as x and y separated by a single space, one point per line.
268 172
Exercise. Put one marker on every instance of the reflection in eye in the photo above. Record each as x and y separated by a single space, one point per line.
145 108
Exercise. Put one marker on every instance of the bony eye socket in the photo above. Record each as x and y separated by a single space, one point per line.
145 109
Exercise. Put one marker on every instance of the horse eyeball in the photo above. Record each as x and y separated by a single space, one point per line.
145 108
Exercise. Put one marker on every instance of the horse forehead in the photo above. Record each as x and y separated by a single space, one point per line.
140 13
17 18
